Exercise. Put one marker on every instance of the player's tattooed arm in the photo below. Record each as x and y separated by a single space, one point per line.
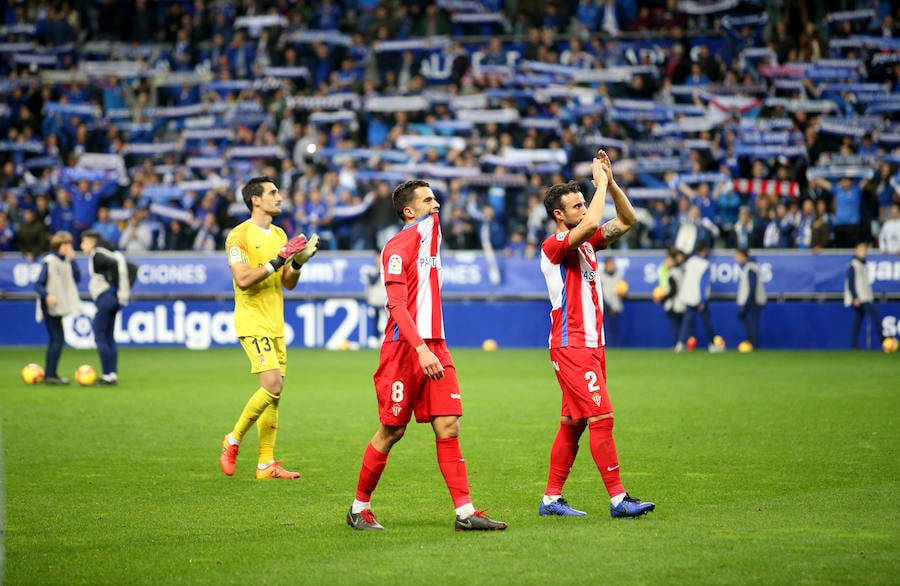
612 231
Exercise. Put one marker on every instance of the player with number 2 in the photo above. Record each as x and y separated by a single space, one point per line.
570 266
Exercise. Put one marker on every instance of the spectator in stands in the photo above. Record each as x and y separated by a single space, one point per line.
491 231
137 236
780 230
743 229
889 239
727 205
107 228
847 197
32 237
382 215
823 231
858 295
695 232
7 234
887 188
433 22
179 235
805 223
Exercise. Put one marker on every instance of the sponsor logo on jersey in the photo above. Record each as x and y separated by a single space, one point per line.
394 265
430 261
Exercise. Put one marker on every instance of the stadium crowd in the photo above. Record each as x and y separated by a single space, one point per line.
763 124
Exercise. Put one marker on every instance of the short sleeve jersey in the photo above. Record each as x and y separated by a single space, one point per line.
258 310
413 258
576 314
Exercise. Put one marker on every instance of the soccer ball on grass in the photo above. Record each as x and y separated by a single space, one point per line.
32 374
890 344
85 375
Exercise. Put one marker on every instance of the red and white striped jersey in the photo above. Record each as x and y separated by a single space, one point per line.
413 257
576 315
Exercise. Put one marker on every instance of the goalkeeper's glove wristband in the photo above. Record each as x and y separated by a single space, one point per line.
275 264
295 266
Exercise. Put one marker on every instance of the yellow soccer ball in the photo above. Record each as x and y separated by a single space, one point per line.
719 342
489 345
658 293
32 374
85 375
745 346
890 344
621 288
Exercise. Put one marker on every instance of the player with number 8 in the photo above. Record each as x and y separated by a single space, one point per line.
415 370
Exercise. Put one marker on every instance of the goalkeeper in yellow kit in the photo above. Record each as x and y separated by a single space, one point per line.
262 262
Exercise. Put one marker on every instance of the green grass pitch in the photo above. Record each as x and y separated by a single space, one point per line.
767 468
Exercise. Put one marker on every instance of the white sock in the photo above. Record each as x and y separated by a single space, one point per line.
550 499
617 499
232 441
466 510
264 466
359 506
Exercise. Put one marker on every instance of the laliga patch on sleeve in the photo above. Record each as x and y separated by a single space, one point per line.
234 255
394 265
561 236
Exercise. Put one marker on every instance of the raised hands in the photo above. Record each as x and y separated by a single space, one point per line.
599 169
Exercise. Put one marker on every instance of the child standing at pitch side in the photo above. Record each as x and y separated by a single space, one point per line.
57 297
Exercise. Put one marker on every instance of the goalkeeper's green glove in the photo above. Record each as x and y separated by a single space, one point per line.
299 259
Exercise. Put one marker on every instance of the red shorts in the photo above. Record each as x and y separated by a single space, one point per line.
581 373
402 387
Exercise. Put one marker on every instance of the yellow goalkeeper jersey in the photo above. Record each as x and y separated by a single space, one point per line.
258 310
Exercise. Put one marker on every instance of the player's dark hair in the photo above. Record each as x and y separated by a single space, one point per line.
254 188
553 199
403 194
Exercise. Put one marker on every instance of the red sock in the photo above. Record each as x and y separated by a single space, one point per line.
372 466
603 449
562 455
453 468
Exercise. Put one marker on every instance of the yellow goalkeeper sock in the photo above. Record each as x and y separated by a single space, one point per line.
258 403
267 424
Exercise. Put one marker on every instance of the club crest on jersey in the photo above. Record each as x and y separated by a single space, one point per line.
261 359
396 409
589 252
596 398
394 265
